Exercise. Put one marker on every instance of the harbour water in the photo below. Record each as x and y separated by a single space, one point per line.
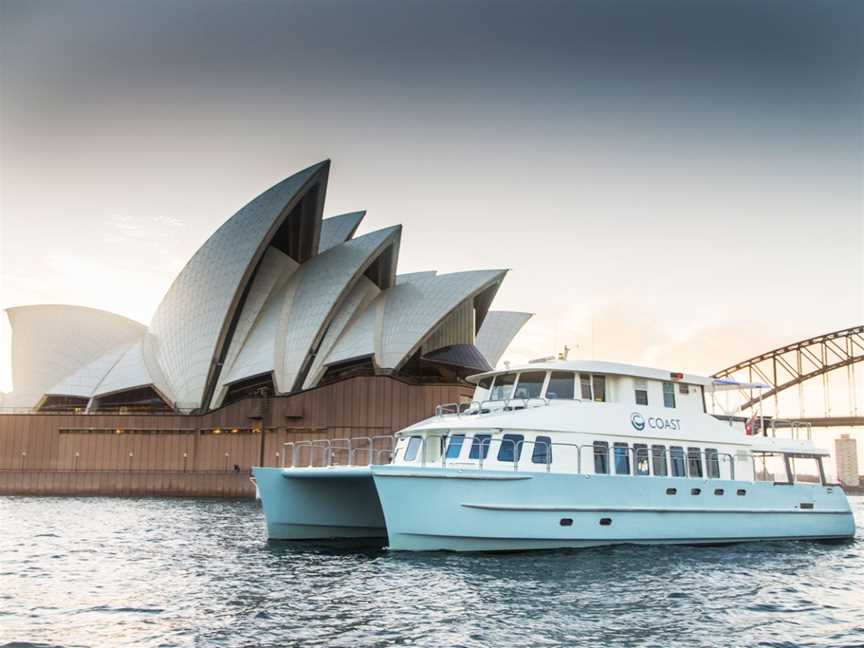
173 572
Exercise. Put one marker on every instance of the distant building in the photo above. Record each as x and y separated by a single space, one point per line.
846 451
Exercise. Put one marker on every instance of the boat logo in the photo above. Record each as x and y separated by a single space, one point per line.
637 421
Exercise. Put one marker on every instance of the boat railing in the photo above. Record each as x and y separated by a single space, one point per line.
330 449
479 408
800 430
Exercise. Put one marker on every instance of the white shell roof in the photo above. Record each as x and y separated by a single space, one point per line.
497 332
338 229
85 380
400 318
195 313
321 285
129 372
51 343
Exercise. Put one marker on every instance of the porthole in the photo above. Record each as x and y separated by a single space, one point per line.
741 491
718 491
605 521
566 521
671 491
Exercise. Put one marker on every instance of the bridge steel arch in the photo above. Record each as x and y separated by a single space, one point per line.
797 363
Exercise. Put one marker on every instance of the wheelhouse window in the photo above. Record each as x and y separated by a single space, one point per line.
712 463
658 460
502 388
640 391
622 459
414 444
601 458
679 466
599 385
640 450
530 384
454 447
511 447
561 385
806 469
668 394
485 383
585 386
542 453
480 446
694 462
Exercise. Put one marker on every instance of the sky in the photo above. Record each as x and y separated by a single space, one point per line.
671 183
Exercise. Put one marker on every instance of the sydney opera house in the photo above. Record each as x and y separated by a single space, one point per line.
279 302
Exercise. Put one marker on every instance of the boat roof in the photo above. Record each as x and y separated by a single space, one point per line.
597 366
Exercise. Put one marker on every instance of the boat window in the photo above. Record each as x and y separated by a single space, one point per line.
455 446
622 459
502 389
485 383
805 468
641 452
601 458
712 463
668 394
530 384
658 460
511 445
443 440
679 468
542 453
694 462
599 385
683 388
585 386
641 392
771 467
560 385
414 444
480 446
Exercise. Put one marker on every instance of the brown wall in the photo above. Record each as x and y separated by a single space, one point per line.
32 446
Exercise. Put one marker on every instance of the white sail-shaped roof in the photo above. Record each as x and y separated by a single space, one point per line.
84 381
189 334
322 284
52 342
131 372
338 229
498 330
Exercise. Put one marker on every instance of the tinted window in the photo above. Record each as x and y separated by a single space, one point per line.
694 462
455 446
599 383
641 452
542 453
485 383
679 468
480 446
622 459
641 396
503 387
560 385
511 444
668 395
585 386
413 446
712 463
530 384
658 459
601 458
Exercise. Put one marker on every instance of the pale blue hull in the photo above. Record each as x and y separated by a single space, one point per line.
320 504
431 509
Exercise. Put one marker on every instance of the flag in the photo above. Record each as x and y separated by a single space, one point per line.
749 425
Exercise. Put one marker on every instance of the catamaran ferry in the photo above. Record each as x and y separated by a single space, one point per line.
559 455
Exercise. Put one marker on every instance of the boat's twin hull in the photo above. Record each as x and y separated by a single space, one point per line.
433 509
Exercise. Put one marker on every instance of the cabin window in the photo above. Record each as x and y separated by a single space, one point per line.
585 386
530 384
560 385
668 394
485 383
599 385
455 446
414 444
640 450
658 460
502 389
771 467
806 469
683 389
542 453
679 466
511 447
480 446
694 462
641 392
622 459
712 463
601 458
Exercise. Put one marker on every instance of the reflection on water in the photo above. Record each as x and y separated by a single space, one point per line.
149 572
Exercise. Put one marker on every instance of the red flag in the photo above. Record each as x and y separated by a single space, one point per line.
748 426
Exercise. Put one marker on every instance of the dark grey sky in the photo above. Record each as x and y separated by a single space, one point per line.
694 165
